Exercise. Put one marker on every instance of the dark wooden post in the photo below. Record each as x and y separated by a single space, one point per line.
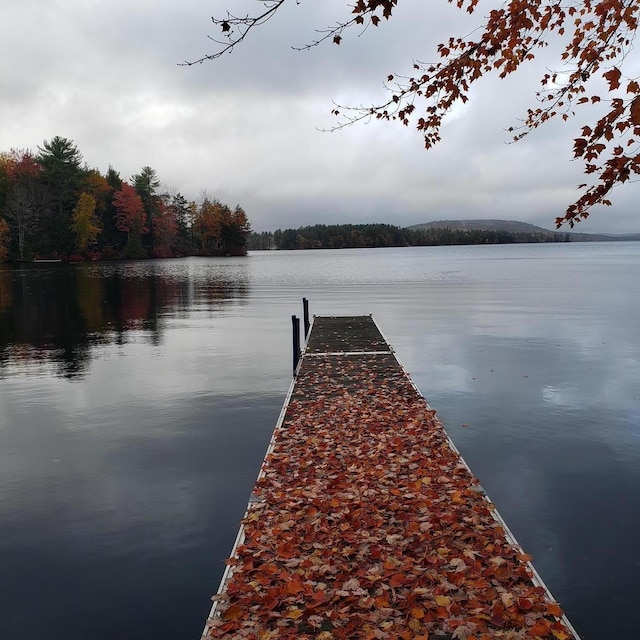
295 321
305 308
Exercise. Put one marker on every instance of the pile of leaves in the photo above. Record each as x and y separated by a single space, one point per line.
366 524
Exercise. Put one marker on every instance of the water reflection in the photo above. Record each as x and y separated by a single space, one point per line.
119 537
60 313
121 488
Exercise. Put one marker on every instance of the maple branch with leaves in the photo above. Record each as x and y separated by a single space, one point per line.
598 36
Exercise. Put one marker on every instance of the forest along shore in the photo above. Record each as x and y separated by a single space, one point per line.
54 206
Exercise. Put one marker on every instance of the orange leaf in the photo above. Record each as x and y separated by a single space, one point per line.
232 613
414 625
294 586
294 613
397 580
540 628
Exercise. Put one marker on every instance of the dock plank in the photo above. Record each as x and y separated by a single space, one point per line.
333 334
365 522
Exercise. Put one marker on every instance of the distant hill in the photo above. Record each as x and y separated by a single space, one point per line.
513 226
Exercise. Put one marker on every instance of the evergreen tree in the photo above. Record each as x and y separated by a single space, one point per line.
181 210
62 174
146 184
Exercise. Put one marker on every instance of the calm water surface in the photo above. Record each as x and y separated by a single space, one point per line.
137 400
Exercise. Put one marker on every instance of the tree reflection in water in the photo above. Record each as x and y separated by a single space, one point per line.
57 313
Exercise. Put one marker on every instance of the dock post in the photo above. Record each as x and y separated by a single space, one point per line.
295 321
305 308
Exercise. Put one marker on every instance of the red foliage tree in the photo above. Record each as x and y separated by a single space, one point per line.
129 210
20 164
25 196
165 229
130 218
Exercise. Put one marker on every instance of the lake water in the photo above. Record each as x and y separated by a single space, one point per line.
137 400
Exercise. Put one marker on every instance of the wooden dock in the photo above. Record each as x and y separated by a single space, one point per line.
366 523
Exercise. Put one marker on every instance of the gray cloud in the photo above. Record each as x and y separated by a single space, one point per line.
245 127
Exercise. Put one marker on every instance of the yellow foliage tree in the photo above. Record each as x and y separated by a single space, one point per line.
83 222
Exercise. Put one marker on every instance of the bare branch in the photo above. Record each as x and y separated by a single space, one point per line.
335 33
236 29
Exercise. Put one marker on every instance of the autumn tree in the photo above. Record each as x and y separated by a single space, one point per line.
221 230
192 220
205 225
5 187
5 179
96 184
83 222
26 200
165 229
111 236
221 227
595 39
4 239
130 219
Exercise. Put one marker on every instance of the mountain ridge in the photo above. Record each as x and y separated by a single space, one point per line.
515 226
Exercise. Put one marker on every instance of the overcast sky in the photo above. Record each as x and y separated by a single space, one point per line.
245 128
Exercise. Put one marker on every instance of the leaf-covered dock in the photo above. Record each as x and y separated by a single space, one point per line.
366 523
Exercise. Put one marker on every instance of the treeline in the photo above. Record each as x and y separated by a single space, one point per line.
54 206
353 236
